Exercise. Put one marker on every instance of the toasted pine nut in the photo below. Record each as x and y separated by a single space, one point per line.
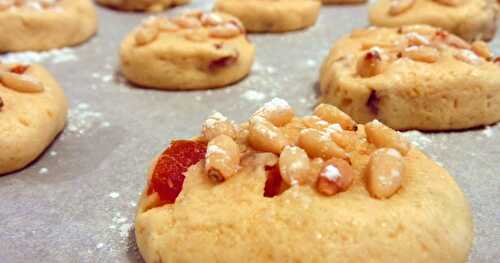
332 114
211 19
294 165
21 82
419 29
481 49
345 139
416 39
400 6
318 144
468 57
315 122
222 158
166 26
264 136
146 35
226 30
186 22
196 35
315 166
421 54
216 125
336 176
384 172
370 64
448 2
384 137
277 111
451 39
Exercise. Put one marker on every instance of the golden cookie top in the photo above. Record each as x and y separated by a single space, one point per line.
327 151
17 78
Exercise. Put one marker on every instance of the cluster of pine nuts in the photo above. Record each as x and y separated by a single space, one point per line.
418 43
312 150
398 7
16 78
196 26
32 4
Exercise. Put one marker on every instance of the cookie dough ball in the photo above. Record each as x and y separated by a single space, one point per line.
414 77
142 5
194 51
469 19
33 111
342 2
42 25
272 16
283 188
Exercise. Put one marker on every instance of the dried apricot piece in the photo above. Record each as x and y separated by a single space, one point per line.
274 181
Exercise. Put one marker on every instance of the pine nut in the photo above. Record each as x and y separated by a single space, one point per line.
21 82
319 144
468 57
211 19
481 49
222 158
226 30
384 137
217 124
451 40
332 114
384 172
146 35
294 165
400 6
186 22
336 176
315 122
264 136
448 2
277 111
421 54
370 64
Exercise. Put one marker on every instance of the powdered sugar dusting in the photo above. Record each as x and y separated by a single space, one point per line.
418 139
82 119
275 104
331 173
488 132
253 95
53 56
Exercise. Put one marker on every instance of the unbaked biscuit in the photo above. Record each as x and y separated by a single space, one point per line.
469 19
282 188
142 5
33 111
414 77
45 24
194 51
272 15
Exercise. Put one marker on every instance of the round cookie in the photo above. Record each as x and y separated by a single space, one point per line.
272 16
194 51
414 77
469 19
282 188
142 5
33 111
42 25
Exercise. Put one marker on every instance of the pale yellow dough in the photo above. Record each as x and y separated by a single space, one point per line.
29 122
185 59
272 16
470 19
409 94
142 5
68 23
428 220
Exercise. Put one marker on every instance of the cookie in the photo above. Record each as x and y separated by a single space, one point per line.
45 24
142 5
414 77
272 16
283 188
469 19
33 111
194 51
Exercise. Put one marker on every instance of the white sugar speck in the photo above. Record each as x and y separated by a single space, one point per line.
331 173
100 245
418 138
253 95
53 153
114 195
132 204
311 63
124 230
54 56
83 119
488 132
43 171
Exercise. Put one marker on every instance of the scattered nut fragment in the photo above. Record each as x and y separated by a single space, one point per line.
294 165
384 172
226 30
400 6
320 144
384 137
416 39
336 176
211 19
222 158
146 35
468 57
481 49
264 136
186 22
21 83
448 2
277 111
451 39
424 30
421 53
345 139
333 114
217 124
370 64
165 25
315 122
